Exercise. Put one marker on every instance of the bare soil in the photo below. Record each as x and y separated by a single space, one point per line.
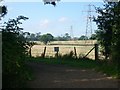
61 76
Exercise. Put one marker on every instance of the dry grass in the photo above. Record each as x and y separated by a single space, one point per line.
77 42
65 47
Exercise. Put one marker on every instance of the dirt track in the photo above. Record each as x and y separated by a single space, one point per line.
60 76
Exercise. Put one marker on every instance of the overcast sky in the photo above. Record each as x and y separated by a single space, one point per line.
55 20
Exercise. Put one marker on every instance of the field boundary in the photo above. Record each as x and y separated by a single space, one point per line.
74 44
79 49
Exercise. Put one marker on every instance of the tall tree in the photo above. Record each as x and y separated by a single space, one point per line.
38 36
108 22
46 38
83 38
67 37
93 37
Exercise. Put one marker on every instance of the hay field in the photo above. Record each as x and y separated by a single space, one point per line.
77 42
65 47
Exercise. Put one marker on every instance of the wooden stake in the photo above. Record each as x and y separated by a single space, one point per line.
75 52
44 52
96 52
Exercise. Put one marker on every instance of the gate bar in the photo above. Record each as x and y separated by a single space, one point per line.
88 52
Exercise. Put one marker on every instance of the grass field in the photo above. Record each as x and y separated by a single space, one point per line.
77 42
65 47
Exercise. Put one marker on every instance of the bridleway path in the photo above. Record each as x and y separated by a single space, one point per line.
61 76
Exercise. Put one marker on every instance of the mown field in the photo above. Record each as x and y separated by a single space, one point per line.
65 47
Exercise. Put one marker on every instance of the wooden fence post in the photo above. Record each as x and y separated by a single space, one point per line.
44 52
96 52
75 52
30 52
57 54
56 49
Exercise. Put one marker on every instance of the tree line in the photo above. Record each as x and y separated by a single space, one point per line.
49 37
16 45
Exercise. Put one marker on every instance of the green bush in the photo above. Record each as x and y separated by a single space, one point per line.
14 53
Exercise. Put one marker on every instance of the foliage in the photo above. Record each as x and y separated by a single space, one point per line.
39 37
14 53
108 34
108 22
33 36
59 38
50 2
67 56
65 37
46 38
93 37
30 45
81 56
3 11
83 38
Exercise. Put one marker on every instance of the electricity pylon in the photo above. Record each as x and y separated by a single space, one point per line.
89 29
71 32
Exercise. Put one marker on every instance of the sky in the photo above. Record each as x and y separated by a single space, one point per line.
55 20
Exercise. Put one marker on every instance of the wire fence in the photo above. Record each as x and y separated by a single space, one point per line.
80 48
37 50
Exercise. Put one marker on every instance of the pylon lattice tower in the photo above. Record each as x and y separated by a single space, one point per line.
71 32
89 29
